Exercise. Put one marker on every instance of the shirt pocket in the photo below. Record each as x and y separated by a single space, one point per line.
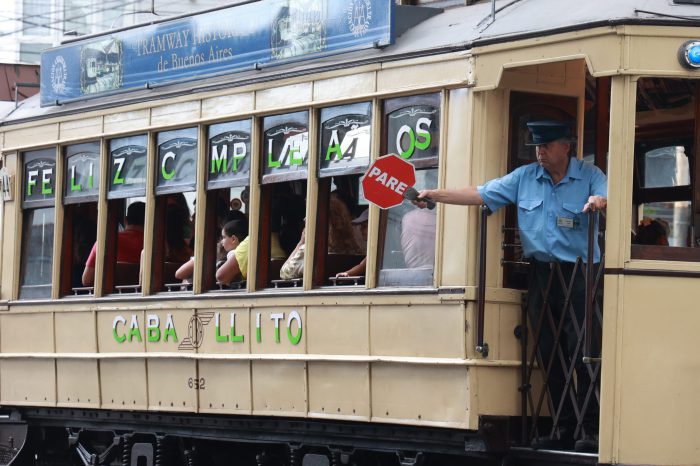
530 214
574 211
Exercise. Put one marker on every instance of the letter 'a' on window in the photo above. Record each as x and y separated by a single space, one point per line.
228 179
285 148
665 171
173 238
38 200
80 191
345 141
407 234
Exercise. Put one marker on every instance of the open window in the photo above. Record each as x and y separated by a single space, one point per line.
176 177
81 188
407 233
341 232
665 220
228 178
125 214
285 148
38 213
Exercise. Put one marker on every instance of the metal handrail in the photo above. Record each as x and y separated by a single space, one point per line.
481 346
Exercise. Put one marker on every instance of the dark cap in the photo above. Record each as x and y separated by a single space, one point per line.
547 131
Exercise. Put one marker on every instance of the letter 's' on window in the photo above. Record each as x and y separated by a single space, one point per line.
38 198
407 234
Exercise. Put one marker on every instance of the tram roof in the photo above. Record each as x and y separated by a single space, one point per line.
454 29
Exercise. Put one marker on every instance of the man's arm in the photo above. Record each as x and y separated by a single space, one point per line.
89 276
457 196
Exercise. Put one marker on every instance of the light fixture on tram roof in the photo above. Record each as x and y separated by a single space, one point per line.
689 54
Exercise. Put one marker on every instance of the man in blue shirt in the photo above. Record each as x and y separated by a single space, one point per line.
553 196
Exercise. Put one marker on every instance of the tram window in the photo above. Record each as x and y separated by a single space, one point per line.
81 188
228 177
407 256
344 148
126 212
665 170
39 171
283 200
173 237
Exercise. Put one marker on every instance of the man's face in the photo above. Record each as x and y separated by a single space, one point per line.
553 155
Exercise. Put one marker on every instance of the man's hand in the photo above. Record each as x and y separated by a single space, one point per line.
596 204
422 194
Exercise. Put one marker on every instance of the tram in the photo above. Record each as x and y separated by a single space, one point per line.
399 336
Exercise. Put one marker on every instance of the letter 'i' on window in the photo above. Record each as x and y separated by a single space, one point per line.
345 141
81 188
38 200
407 252
228 179
284 154
173 238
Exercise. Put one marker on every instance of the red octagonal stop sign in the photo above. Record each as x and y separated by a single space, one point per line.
386 180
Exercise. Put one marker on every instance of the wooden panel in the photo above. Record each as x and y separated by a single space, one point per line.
168 385
34 136
169 115
173 330
127 121
227 345
216 107
21 333
422 331
335 330
496 391
427 394
268 336
75 332
78 384
417 76
80 128
279 388
283 96
28 382
344 86
339 390
226 387
123 384
112 326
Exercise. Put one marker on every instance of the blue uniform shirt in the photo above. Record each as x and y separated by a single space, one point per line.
550 218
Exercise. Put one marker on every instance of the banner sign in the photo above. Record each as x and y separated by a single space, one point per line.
127 171
229 154
177 161
345 139
82 178
285 147
242 37
39 178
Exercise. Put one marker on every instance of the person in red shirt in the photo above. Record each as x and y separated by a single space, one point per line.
129 242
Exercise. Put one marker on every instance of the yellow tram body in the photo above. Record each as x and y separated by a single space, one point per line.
369 355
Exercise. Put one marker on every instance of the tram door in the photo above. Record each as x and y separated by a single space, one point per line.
526 107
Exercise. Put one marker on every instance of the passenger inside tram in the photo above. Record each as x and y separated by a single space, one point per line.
341 239
233 234
129 242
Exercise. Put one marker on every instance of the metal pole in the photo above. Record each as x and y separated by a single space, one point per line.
481 346
592 217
